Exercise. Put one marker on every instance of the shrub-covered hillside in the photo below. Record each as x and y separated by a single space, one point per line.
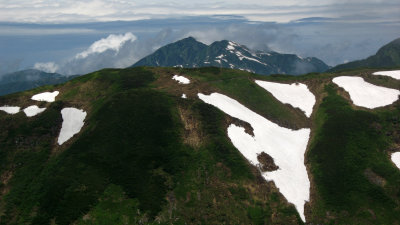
146 155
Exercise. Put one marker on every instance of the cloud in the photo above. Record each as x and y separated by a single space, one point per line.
114 51
67 11
49 67
112 42
9 65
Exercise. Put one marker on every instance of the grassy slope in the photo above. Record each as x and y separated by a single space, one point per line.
132 141
348 143
131 152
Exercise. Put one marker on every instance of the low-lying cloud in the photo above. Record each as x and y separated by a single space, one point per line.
49 67
112 42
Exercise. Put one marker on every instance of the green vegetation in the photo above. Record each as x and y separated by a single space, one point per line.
145 155
240 86
349 143
114 208
128 158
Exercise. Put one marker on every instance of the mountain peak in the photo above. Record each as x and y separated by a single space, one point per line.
190 53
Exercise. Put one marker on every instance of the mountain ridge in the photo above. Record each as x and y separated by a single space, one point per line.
388 56
28 79
146 154
191 53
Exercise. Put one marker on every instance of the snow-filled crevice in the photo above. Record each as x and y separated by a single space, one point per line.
285 146
72 123
296 94
366 94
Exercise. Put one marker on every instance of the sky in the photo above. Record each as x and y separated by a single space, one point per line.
77 37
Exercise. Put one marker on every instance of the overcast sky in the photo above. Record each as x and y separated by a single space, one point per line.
70 36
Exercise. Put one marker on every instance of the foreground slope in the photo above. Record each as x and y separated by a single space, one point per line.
146 155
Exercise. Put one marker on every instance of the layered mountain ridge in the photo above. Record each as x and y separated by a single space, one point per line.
190 53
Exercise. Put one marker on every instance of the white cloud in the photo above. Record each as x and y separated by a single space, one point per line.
112 42
12 30
67 11
49 67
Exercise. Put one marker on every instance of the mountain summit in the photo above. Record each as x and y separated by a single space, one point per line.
190 53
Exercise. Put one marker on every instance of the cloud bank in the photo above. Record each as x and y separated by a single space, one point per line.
69 11
49 67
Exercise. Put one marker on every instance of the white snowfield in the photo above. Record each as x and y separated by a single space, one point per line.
396 159
296 94
33 110
46 96
285 146
72 123
184 96
394 74
365 94
10 109
181 79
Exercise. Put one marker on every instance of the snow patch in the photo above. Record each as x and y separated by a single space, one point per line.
181 79
231 46
10 109
394 74
218 61
46 96
220 56
33 110
285 146
396 159
72 123
365 94
184 96
296 94
241 57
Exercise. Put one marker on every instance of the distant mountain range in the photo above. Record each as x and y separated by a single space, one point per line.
190 53
387 56
28 79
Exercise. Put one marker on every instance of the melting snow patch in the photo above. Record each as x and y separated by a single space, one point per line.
394 74
365 94
72 123
10 109
46 96
181 79
184 96
294 94
285 146
33 110
396 159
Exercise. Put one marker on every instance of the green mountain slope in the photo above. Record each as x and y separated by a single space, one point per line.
190 53
147 156
28 79
387 57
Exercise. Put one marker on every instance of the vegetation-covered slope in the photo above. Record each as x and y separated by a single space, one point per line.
147 156
387 57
